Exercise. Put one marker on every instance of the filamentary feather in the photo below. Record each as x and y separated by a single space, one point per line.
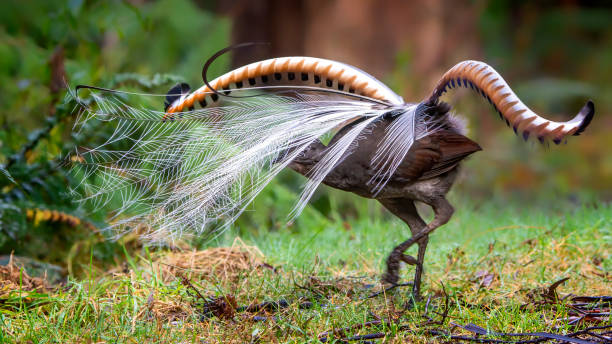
197 173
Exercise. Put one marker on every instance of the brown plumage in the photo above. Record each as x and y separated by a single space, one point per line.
425 174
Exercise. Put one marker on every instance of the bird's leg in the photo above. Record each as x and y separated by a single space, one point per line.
405 209
416 288
407 212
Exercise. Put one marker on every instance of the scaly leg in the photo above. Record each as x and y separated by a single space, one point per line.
416 287
405 209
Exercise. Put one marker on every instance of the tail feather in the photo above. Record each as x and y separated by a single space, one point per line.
485 80
196 173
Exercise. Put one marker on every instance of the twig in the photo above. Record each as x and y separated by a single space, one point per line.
272 306
323 336
320 295
552 290
384 291
186 282
446 307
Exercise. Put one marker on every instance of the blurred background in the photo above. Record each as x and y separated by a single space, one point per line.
555 55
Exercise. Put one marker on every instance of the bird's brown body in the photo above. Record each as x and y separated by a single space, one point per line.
425 174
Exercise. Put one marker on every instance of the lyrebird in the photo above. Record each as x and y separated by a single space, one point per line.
199 162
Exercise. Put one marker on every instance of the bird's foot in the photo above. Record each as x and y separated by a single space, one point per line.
391 276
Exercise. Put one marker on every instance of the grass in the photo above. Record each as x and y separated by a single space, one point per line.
493 261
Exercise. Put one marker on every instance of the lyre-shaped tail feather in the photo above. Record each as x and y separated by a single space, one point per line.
485 80
197 173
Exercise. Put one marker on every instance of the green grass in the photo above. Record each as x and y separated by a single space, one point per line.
330 262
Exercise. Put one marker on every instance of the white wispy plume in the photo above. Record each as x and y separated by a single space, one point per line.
196 173
410 124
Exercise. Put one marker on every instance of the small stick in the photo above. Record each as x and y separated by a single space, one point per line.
388 289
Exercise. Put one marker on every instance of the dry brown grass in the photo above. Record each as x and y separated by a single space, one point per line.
218 263
227 266
14 278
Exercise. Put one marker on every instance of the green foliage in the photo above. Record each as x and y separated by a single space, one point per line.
45 44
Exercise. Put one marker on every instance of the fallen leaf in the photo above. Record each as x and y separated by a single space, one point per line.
485 278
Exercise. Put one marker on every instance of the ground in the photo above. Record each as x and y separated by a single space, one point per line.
492 265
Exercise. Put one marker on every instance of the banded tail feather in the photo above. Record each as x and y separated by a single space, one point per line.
315 74
485 80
